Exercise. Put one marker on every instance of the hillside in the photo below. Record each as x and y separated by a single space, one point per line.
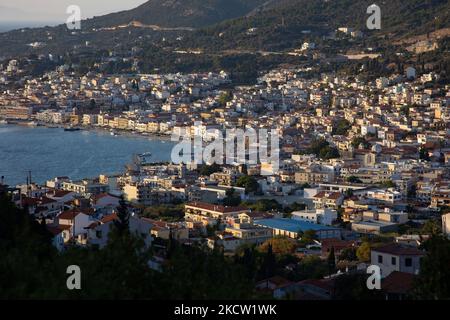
280 24
179 13
259 38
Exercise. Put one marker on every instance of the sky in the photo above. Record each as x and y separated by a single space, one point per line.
51 11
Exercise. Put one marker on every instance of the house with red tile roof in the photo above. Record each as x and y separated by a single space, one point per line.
397 285
208 213
74 222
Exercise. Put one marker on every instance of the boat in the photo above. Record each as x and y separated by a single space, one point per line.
3 122
146 154
142 159
70 129
31 124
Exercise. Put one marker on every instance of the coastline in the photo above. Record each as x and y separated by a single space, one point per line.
49 153
117 132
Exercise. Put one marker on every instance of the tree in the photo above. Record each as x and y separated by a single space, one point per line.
423 154
123 217
249 183
264 205
363 252
358 141
232 199
269 265
433 282
388 184
308 236
353 179
322 149
92 104
431 227
208 170
348 254
279 246
342 127
332 261
224 98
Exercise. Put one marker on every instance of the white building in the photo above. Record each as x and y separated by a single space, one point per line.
394 257
319 216
446 224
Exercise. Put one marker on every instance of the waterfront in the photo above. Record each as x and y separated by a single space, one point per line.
81 154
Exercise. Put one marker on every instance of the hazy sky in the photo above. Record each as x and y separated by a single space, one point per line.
28 11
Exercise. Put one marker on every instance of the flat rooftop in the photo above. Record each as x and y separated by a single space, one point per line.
292 225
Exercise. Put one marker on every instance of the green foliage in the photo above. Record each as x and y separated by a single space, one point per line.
31 268
308 236
123 217
167 212
388 184
207 170
433 282
249 183
311 267
322 149
353 179
294 207
342 127
348 254
360 140
264 205
423 154
232 199
225 97
279 246
354 287
332 261
363 252
432 227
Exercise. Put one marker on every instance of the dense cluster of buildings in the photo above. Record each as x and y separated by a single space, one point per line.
391 171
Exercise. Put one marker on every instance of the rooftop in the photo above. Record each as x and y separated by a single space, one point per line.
292 225
396 249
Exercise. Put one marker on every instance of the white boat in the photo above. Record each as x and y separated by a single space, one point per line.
31 124
3 122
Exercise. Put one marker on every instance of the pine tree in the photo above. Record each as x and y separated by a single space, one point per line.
433 282
123 217
269 264
332 261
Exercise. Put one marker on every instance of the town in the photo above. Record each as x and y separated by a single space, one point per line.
337 188
363 174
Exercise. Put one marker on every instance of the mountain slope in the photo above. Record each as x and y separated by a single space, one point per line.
280 23
179 13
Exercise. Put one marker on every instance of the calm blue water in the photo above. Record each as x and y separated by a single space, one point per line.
49 153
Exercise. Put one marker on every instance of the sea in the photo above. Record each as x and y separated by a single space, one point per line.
53 152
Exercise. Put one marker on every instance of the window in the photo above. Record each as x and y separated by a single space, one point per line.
394 261
408 262
380 259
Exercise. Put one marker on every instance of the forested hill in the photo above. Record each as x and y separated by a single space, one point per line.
279 24
179 13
